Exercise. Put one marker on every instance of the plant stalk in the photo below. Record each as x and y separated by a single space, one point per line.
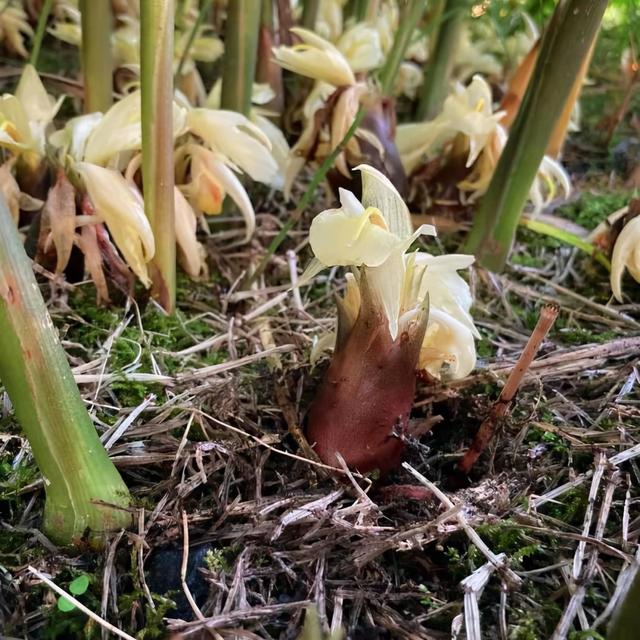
437 73
40 31
411 13
34 370
565 45
310 13
156 20
241 47
97 62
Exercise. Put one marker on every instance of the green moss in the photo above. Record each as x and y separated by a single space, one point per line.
580 335
591 208
570 508
221 559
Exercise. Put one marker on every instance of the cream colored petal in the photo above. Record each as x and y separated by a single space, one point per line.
38 105
120 130
339 239
235 190
315 58
73 138
378 192
238 139
279 148
626 255
447 341
14 26
361 46
119 205
66 32
417 140
386 283
191 252
15 127
408 80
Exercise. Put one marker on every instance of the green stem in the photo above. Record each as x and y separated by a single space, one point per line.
241 47
567 237
310 13
411 14
156 20
318 177
97 62
34 370
40 30
437 72
202 14
360 10
566 43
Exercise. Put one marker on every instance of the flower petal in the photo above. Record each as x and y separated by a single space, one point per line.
378 192
626 254
119 204
236 138
339 238
191 252
316 58
447 341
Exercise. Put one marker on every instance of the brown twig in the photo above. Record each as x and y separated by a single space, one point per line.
502 406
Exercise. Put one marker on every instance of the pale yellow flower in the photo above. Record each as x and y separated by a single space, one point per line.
315 58
119 205
329 20
237 139
373 236
14 26
120 130
361 46
26 116
211 180
626 255
468 117
191 254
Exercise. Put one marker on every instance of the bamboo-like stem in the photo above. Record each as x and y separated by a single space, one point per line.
565 45
437 73
360 10
156 53
97 62
40 31
554 148
310 13
267 70
411 14
202 14
35 373
241 47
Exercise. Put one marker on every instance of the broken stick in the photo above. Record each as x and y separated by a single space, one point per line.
502 406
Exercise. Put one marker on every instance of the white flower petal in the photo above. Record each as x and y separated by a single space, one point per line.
340 238
447 341
626 255
38 105
236 192
378 192
120 130
119 204
237 138
191 251
315 58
